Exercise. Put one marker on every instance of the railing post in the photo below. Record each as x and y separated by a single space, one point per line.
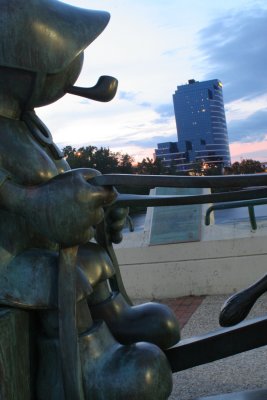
252 217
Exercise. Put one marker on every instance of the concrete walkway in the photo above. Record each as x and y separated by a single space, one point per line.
240 372
184 307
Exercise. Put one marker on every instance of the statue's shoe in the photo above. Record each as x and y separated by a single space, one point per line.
149 322
110 371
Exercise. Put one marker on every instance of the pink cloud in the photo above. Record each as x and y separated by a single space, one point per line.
254 150
137 152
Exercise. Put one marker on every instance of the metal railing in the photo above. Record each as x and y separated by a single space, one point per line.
238 204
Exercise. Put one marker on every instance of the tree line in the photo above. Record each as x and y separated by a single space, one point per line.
246 166
107 161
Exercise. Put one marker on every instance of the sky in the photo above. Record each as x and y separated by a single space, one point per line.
151 47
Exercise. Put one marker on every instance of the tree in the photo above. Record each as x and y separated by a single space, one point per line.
235 168
125 164
149 166
105 160
81 158
102 159
197 168
206 169
213 169
247 166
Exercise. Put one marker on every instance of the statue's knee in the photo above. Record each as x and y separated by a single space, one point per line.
95 263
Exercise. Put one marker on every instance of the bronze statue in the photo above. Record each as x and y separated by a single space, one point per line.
57 227
48 219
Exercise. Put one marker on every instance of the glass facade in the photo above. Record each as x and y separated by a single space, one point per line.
201 126
169 155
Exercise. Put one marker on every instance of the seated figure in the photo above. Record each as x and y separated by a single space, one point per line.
45 206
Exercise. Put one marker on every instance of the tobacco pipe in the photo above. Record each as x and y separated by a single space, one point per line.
104 90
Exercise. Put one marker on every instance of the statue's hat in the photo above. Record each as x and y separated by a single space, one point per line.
46 35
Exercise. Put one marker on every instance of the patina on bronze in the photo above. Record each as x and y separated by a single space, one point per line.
49 264
87 341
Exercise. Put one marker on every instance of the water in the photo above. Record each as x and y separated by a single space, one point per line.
239 214
221 217
138 221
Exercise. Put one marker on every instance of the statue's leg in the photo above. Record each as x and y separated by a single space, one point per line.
150 322
112 371
109 370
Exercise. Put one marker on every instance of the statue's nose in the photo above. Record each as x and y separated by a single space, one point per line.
104 90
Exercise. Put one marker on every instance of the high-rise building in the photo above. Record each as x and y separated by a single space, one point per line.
168 153
201 127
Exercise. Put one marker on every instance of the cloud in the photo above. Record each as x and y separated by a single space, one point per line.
234 49
84 101
165 112
253 128
145 104
130 96
171 52
254 150
152 142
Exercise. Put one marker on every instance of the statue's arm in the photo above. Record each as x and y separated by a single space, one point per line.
64 209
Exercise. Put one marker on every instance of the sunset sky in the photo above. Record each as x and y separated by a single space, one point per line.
151 46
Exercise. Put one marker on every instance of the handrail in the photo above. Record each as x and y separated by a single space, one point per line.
255 184
151 181
238 204
130 223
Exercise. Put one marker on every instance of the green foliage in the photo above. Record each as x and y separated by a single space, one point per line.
125 165
197 168
102 159
206 169
106 161
246 166
150 167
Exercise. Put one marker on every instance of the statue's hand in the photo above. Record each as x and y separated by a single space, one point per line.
66 208
115 222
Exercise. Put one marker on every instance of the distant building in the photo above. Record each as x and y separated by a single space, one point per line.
201 127
169 155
